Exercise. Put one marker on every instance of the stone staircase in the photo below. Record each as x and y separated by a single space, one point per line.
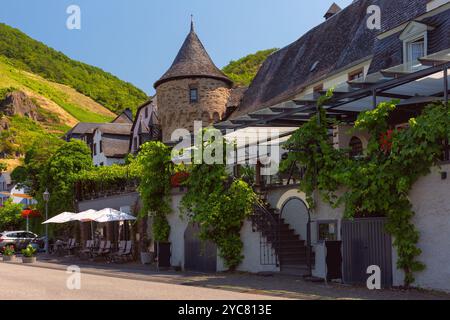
291 251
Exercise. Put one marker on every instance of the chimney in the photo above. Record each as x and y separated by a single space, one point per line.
332 11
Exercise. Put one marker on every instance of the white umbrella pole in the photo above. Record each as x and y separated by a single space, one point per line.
28 228
92 231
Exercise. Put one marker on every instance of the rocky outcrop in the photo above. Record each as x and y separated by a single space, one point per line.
18 103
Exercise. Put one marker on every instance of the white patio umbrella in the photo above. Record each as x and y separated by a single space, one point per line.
61 218
111 215
86 216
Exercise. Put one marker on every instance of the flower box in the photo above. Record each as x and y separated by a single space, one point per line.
28 259
9 258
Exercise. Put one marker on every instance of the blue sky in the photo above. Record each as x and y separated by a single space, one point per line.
137 40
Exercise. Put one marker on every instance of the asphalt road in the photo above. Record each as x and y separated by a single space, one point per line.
21 283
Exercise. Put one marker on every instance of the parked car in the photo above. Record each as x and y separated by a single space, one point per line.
19 239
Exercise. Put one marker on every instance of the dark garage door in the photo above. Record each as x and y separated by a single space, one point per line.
365 243
199 255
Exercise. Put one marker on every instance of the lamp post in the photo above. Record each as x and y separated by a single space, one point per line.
46 197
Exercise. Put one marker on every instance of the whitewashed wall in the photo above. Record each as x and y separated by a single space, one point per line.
178 225
100 157
251 252
279 196
251 240
430 197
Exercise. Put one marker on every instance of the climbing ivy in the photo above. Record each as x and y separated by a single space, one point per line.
218 203
378 183
156 168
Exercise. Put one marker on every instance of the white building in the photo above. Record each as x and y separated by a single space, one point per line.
110 144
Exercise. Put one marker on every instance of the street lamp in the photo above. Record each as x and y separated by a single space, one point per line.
46 197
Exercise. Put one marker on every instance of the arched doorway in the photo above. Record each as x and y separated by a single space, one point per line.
199 255
295 212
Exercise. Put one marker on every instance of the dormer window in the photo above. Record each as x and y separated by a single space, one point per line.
193 95
415 41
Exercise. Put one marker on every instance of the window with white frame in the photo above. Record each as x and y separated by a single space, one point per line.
415 41
415 49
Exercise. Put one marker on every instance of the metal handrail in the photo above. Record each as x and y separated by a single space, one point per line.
269 226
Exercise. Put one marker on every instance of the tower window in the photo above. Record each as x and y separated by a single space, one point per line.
193 95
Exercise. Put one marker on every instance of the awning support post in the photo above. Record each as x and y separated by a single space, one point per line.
446 85
374 99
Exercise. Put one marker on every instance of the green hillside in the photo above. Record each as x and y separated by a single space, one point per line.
30 55
245 69
59 107
12 77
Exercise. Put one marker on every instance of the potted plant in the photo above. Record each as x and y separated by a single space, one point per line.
146 255
29 254
9 254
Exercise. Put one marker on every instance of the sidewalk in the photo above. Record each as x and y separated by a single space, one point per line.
272 285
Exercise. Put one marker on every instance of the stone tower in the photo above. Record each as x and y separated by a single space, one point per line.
193 89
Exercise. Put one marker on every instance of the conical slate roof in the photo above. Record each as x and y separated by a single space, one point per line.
192 61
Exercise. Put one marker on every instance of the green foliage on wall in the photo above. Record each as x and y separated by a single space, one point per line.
156 168
31 55
108 174
218 204
244 70
380 182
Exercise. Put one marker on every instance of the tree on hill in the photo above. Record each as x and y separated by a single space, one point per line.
33 56
244 70
59 172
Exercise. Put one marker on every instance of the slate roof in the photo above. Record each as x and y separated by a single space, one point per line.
388 52
122 129
192 61
83 128
336 44
115 147
236 95
125 117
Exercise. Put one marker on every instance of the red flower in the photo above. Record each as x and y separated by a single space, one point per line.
386 141
178 178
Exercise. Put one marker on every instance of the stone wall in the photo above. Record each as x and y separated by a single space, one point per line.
175 110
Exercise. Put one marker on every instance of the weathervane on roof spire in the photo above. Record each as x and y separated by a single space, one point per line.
192 23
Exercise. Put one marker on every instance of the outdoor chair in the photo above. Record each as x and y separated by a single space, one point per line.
120 250
72 245
103 251
67 244
99 250
87 251
125 255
